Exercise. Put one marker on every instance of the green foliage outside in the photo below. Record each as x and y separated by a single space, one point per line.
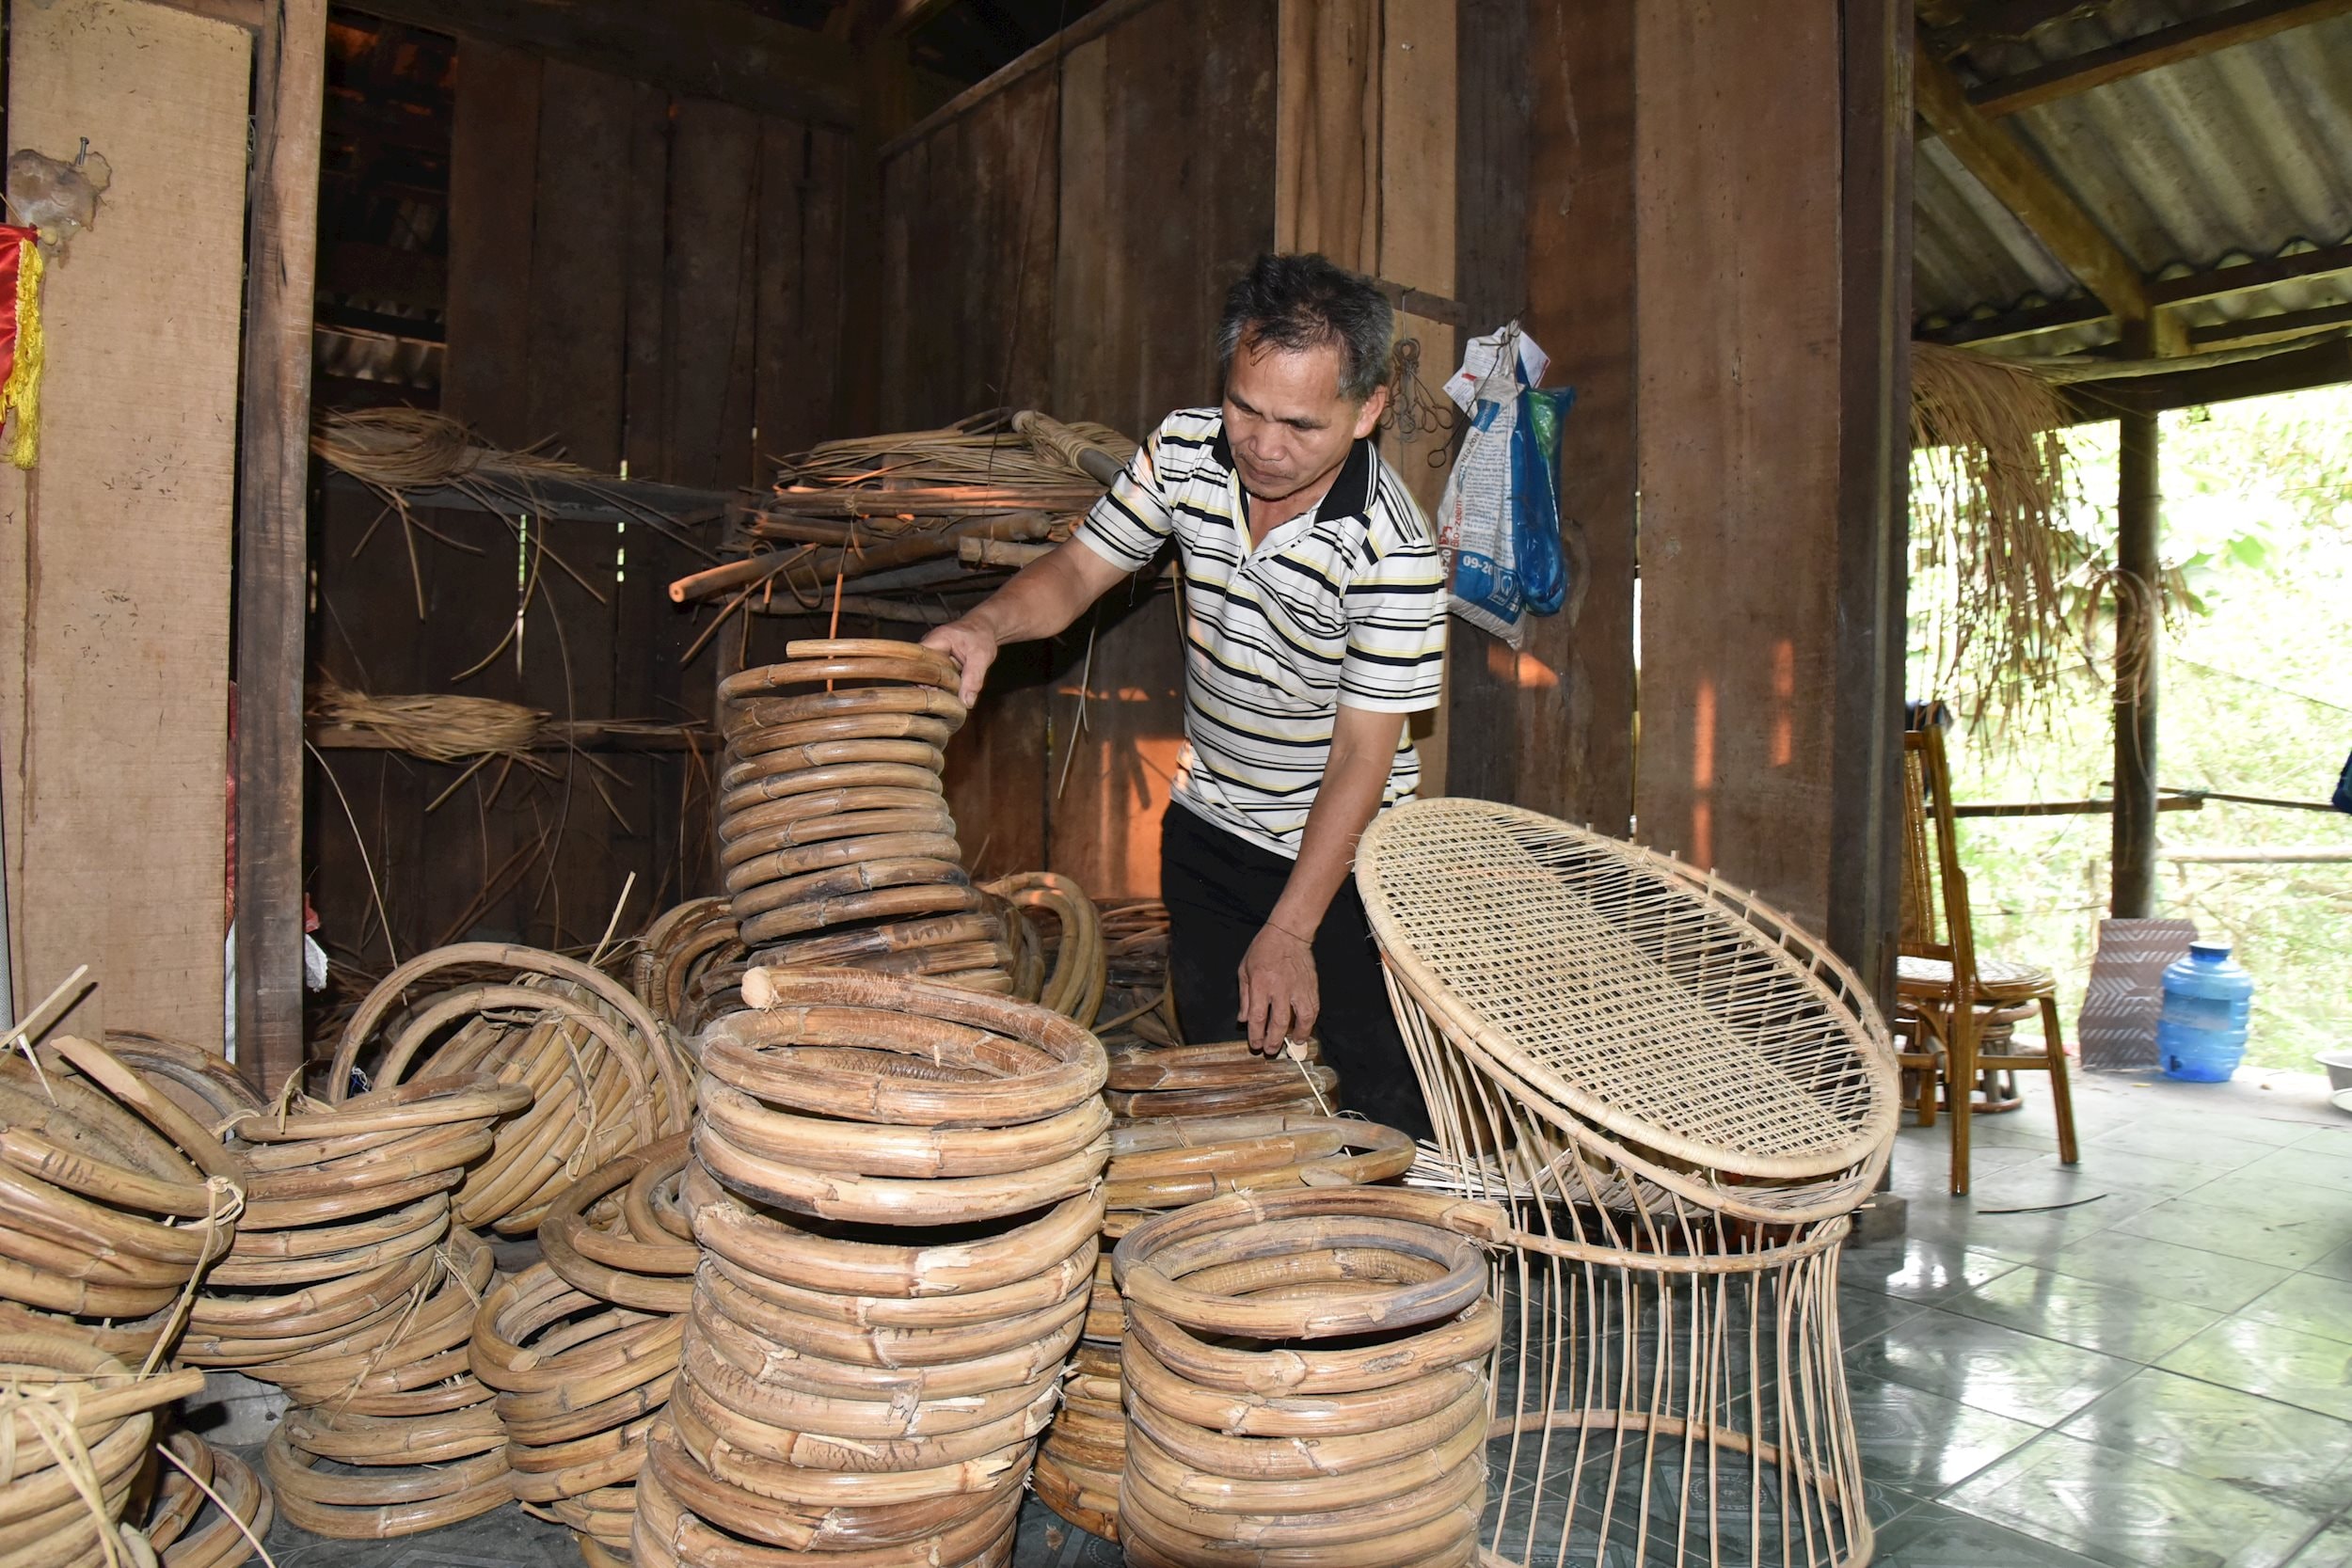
2255 699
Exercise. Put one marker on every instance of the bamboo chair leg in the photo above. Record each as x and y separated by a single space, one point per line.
2061 1095
1961 1073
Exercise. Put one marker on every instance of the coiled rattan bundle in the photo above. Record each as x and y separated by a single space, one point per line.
835 839
1306 1382
208 1509
1222 1079
603 1076
896 1186
112 1199
74 1426
1164 1164
1059 957
412 1442
582 1347
1137 1008
689 966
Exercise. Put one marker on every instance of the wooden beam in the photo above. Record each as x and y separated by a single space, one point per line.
2184 40
273 509
2272 328
2325 363
883 19
2029 191
699 48
2218 284
242 14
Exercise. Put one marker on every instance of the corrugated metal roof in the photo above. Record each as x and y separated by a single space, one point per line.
2241 154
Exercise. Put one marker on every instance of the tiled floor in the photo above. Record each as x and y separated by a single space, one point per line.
2158 1377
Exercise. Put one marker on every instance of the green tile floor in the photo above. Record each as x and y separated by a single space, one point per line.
2158 1378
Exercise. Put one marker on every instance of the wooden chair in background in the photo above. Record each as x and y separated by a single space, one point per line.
1951 995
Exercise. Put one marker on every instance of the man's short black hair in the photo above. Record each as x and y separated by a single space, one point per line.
1302 302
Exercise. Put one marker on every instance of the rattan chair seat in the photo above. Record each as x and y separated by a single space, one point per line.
1998 980
1645 1000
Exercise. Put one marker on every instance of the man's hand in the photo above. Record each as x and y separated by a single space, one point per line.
972 646
1279 996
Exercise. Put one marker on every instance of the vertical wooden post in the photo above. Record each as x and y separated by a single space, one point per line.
2139 497
289 76
1865 773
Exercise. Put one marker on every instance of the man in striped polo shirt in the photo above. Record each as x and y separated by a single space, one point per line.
1314 622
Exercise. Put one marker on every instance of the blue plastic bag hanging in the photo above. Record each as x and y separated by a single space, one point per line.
1499 521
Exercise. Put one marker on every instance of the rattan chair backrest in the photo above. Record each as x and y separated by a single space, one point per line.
1649 1002
1934 902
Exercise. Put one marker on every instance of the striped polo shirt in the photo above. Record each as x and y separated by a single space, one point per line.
1343 605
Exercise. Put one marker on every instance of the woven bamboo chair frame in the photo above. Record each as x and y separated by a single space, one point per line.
1961 993
1678 1097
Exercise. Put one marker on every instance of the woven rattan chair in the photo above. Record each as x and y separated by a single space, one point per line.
1680 1099
1954 995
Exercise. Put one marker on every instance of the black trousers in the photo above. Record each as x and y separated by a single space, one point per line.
1219 889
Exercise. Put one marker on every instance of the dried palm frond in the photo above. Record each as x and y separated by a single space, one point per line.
435 727
986 449
415 449
1991 489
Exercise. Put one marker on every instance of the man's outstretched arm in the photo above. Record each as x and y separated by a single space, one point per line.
1041 600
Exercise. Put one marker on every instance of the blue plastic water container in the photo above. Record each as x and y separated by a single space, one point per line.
2201 1035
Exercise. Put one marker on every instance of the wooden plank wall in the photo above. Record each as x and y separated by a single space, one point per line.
1737 120
633 278
1695 210
1546 180
115 569
1025 267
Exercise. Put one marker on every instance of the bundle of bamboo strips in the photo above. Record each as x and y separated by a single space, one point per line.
889 518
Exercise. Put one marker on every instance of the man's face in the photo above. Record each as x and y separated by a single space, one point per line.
1285 418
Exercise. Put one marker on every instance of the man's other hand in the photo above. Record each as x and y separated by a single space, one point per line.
973 648
1278 997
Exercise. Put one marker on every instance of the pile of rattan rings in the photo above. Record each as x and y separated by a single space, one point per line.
348 1286
1170 1163
208 1509
1137 1008
582 1346
1306 1380
76 1424
113 1197
896 1183
835 838
603 1075
689 966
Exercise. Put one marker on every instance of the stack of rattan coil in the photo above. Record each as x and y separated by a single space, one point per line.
603 1076
835 841
689 966
582 1347
74 1425
896 1186
1137 1008
349 1287
1226 1079
1167 1163
112 1199
1059 961
208 1509
1306 1380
